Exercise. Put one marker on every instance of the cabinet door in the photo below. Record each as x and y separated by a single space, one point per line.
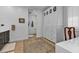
2 37
6 40
1 40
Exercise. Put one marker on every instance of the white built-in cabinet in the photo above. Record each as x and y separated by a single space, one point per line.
53 24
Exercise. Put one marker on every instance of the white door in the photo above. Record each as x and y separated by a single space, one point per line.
32 24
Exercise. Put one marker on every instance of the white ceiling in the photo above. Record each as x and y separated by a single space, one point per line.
42 8
38 7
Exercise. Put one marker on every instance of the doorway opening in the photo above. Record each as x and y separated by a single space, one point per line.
32 23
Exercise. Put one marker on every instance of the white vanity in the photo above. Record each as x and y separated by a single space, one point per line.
70 46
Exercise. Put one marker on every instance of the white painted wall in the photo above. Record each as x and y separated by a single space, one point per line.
72 12
53 25
39 23
9 16
65 17
60 25
49 25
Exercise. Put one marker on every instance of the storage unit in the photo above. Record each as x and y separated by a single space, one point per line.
4 38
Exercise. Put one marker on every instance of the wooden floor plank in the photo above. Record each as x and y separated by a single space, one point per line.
19 48
27 46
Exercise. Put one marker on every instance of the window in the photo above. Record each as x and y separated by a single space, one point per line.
74 22
73 17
